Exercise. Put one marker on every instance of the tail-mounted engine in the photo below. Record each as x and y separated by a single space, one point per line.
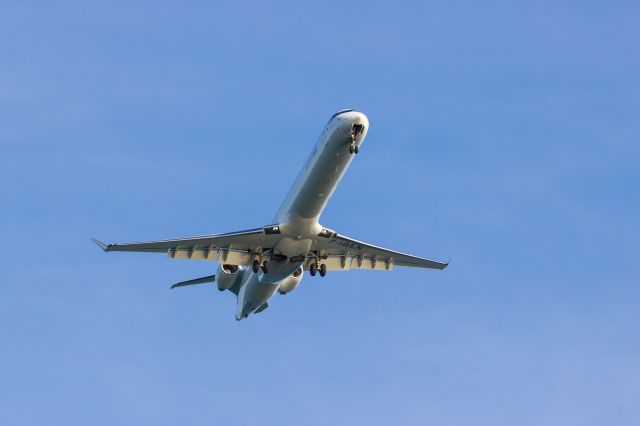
291 282
226 276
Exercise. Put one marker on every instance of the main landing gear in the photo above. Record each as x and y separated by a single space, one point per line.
256 266
313 268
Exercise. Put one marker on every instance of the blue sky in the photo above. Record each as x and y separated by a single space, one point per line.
503 134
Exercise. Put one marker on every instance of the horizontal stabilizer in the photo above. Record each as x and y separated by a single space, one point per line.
203 280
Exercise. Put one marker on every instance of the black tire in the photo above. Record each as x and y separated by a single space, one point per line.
265 267
255 267
355 149
323 270
351 149
313 269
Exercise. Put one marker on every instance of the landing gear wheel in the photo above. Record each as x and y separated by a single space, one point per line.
255 267
355 149
265 267
323 270
351 149
313 269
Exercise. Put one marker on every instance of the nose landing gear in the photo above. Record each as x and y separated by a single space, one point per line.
356 129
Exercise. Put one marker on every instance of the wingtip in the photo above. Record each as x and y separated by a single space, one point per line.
100 244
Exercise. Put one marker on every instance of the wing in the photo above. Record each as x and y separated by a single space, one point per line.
340 252
235 247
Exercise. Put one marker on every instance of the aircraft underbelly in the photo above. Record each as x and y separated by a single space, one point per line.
291 246
321 180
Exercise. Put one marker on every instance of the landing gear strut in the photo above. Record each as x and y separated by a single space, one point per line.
353 148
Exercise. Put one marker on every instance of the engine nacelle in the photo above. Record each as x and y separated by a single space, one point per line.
226 276
291 282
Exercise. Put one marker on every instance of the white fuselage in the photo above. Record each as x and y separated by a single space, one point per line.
298 216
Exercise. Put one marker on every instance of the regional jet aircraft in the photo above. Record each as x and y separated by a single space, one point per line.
257 263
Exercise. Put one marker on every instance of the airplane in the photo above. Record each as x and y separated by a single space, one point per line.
256 263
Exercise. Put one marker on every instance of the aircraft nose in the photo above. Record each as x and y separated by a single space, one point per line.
351 116
350 123
357 124
360 119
